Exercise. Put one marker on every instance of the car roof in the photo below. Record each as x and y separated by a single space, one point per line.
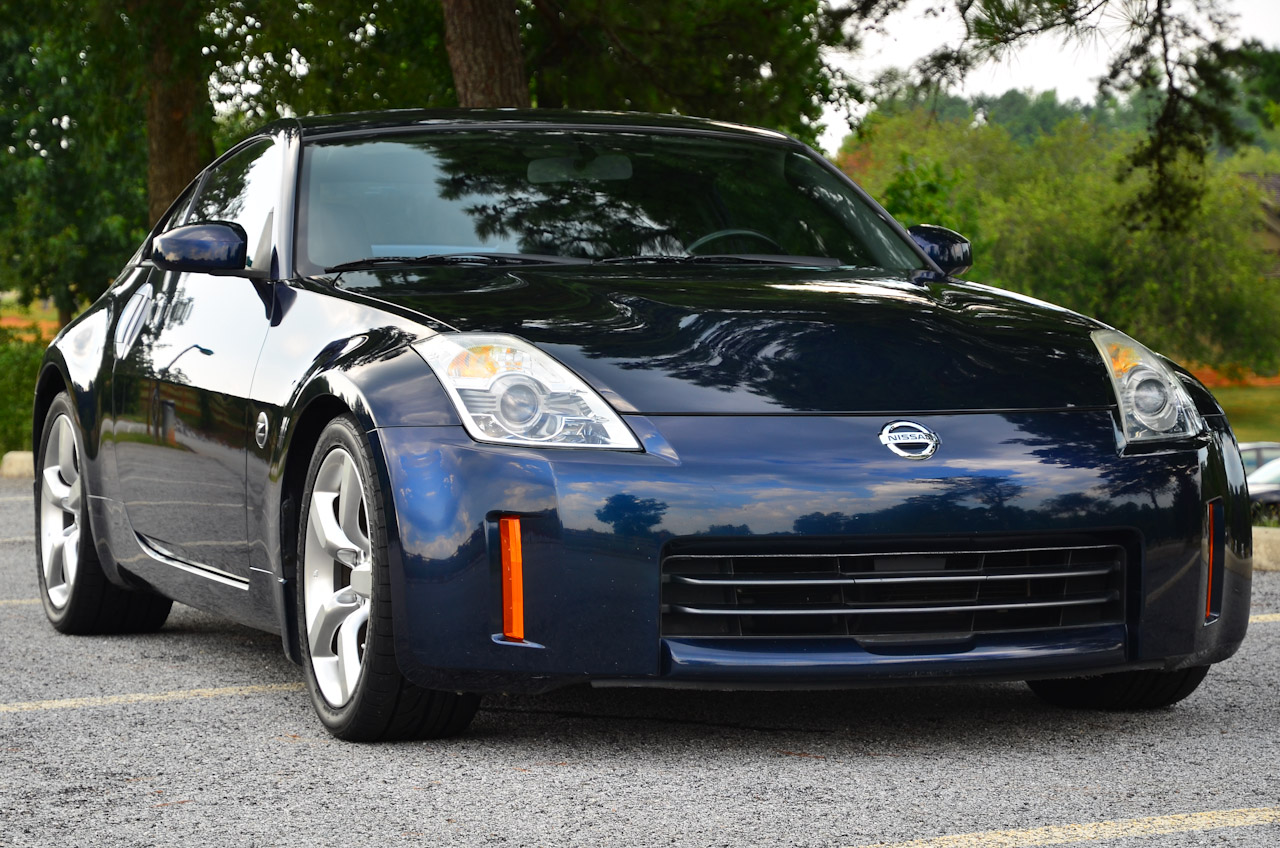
314 126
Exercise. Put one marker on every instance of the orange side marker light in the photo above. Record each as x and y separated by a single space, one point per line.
1213 550
512 578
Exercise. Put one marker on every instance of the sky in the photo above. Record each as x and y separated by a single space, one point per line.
1072 70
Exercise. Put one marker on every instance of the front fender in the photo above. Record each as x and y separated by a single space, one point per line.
376 377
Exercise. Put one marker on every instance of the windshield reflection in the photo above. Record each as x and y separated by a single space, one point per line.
582 195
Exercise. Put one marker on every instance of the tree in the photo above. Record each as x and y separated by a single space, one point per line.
1177 48
175 77
768 66
73 163
1049 219
482 38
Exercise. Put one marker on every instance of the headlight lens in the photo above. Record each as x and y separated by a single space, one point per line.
508 392
1153 403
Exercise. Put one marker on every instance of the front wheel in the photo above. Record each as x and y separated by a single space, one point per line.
344 605
1124 690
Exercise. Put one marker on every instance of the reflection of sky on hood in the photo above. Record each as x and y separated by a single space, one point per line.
768 491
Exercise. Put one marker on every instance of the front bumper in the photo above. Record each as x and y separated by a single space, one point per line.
596 524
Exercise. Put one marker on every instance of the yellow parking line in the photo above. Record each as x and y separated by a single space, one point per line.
19 602
146 697
1268 618
1097 831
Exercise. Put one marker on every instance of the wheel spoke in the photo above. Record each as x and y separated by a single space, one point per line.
328 619
54 576
350 500
70 554
54 489
325 525
350 650
67 450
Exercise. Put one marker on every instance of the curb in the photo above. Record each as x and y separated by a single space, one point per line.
18 464
1266 548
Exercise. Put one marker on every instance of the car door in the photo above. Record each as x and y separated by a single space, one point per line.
182 380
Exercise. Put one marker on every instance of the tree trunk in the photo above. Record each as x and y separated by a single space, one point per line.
482 38
179 111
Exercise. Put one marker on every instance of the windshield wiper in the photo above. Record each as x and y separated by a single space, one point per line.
653 258
375 262
727 259
764 259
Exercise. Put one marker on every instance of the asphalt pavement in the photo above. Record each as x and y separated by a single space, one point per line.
201 735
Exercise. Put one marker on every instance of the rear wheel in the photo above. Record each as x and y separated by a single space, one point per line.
1125 690
344 605
77 596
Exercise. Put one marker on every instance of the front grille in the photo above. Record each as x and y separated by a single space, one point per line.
936 590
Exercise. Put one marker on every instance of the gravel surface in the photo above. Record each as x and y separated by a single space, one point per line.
588 767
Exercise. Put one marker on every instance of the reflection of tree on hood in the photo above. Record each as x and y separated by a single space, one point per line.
631 516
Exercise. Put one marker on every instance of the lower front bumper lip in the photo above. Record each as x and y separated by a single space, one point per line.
827 662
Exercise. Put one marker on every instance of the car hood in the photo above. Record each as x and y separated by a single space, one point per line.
763 339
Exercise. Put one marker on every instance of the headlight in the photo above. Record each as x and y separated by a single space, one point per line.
1153 403
508 392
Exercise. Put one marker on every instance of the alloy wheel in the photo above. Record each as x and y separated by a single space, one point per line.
60 501
338 576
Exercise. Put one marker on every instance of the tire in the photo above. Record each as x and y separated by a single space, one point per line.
344 605
1125 690
78 598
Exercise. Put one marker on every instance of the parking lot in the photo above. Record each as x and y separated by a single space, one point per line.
202 734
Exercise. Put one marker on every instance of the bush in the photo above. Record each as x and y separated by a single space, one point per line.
19 363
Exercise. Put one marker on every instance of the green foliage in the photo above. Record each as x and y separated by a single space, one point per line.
755 63
280 57
922 192
1254 411
1050 219
1172 51
72 163
19 365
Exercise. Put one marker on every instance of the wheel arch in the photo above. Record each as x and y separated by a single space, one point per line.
304 436
379 388
49 384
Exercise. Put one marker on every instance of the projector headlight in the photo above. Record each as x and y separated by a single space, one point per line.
1153 403
508 392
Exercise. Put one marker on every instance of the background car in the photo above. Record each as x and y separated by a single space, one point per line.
1264 491
504 401
1257 454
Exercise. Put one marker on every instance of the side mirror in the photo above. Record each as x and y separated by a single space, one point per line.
212 247
947 248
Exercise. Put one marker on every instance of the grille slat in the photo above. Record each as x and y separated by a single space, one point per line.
893 609
790 580
770 587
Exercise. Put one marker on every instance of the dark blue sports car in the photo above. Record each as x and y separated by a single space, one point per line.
506 401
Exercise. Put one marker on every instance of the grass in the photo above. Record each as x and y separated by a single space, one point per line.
27 321
1254 411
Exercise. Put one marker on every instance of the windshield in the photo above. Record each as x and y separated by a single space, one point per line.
584 196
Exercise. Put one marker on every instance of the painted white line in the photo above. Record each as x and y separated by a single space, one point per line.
147 697
1097 831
